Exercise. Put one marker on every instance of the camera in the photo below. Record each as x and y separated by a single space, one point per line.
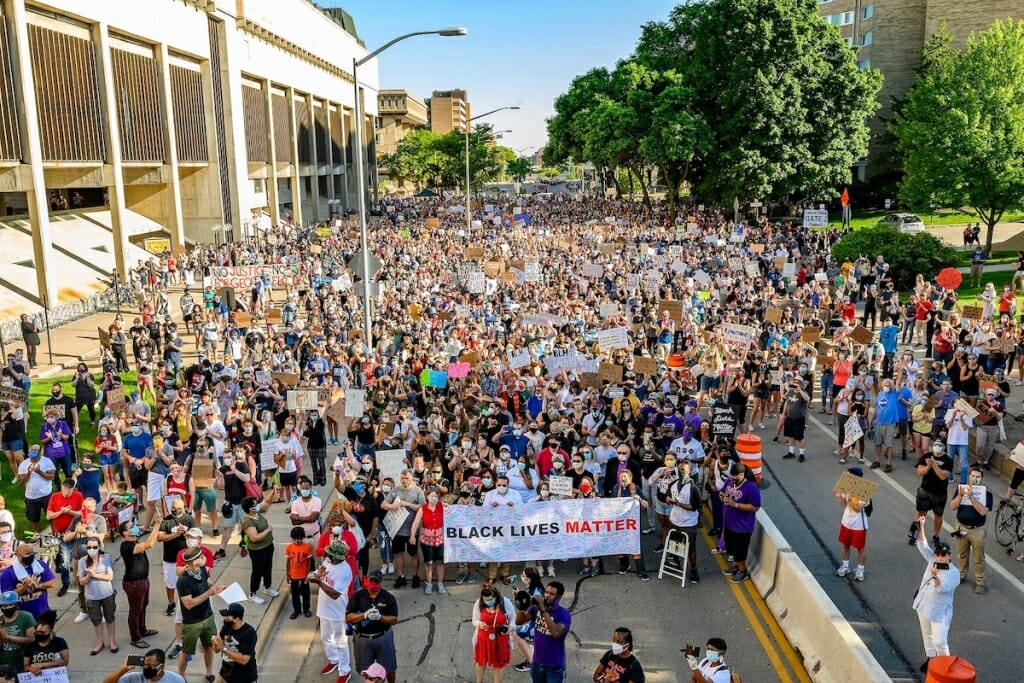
691 651
942 565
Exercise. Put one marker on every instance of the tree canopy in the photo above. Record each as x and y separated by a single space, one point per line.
961 127
425 158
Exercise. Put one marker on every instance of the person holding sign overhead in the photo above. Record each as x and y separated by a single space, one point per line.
853 530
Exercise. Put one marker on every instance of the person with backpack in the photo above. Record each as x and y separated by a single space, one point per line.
684 498
711 669
853 530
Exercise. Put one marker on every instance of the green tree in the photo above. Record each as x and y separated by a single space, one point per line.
961 129
519 168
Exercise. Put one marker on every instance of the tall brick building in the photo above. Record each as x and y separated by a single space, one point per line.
890 35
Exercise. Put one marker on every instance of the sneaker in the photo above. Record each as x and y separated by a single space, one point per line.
858 575
903 455
293 615
739 577
551 570
391 567
644 576
694 576
170 609
730 571
220 554
471 578
843 571
328 668
522 666
761 426
887 469
800 458
429 589
416 581
842 461
441 589
272 592
717 551
659 549
400 581
63 591
595 570
82 616
307 614
460 579
875 465
583 570
343 678
215 533
174 651
623 572
788 456
775 439
257 599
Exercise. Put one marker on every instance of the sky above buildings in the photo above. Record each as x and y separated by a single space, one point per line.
521 53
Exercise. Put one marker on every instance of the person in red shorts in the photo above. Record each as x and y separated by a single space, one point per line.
853 530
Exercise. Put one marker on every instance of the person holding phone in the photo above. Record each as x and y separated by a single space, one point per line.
933 600
148 668
711 669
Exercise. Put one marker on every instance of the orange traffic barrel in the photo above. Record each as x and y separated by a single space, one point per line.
748 446
950 669
676 360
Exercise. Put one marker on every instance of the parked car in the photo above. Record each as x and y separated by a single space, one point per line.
904 222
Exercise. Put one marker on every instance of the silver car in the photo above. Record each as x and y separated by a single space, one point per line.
904 222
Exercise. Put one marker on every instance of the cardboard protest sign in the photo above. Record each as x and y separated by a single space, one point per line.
645 366
810 334
972 312
862 335
116 400
242 319
593 270
19 395
494 267
305 399
433 223
337 411
518 358
773 315
560 486
966 408
104 338
858 487
610 372
474 252
355 402
202 471
590 380
471 357
274 316
323 395
675 309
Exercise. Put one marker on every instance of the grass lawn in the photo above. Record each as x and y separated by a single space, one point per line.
863 219
968 295
12 491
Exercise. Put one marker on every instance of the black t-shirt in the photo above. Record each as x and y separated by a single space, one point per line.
362 601
930 482
622 669
68 404
242 641
234 488
136 565
364 508
189 584
46 654
178 543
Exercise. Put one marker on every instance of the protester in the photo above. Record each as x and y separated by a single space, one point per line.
198 626
551 624
18 628
96 574
334 579
971 513
373 612
493 617
742 500
712 668
236 644
135 581
853 529
153 671
619 663
31 578
933 600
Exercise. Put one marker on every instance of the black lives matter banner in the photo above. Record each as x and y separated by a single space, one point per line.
542 531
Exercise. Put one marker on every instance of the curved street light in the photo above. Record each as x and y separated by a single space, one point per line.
469 211
451 31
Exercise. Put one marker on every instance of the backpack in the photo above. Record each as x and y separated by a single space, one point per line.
869 508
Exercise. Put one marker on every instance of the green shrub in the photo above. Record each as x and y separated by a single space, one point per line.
907 255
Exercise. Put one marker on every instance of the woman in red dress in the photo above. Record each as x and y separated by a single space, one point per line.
492 644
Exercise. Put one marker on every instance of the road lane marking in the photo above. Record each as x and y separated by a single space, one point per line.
989 557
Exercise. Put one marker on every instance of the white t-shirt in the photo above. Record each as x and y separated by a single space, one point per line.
680 491
37 486
853 519
511 496
721 674
338 577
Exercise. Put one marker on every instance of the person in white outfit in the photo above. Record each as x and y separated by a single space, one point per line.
933 600
333 578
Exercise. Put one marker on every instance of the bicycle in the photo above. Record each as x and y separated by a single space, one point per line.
1010 522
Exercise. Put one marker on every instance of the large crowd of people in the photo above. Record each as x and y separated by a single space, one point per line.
593 341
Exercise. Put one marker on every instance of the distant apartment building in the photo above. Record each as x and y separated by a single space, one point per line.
448 110
889 35
398 113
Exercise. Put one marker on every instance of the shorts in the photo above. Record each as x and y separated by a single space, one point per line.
14 446
855 538
433 553
137 478
170 575
1018 478
34 507
663 509
927 501
737 543
708 383
691 535
228 522
740 411
201 631
154 487
794 429
289 478
101 610
885 435
110 459
904 427
205 498
762 391
403 543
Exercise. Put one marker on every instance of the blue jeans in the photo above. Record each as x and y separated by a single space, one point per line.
546 674
954 450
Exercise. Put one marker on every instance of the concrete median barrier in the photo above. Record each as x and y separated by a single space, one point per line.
831 650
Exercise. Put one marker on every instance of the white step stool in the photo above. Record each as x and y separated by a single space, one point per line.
677 545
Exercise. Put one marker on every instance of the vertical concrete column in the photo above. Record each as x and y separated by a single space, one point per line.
35 184
314 185
175 224
112 131
330 157
296 181
272 200
231 47
344 156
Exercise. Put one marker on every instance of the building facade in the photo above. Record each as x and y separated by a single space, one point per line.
448 110
212 118
398 113
889 35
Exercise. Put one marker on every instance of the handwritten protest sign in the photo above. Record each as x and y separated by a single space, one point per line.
858 487
394 519
116 400
614 338
18 395
610 372
853 431
302 399
518 358
643 365
458 370
737 337
391 463
355 402
560 486
593 270
242 277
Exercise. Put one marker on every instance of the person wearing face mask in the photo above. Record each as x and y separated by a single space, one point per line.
373 612
232 476
152 671
547 455
171 533
551 622
236 644
513 437
18 628
493 616
504 497
619 664
134 447
31 578
885 423
316 442
972 503
193 539
55 437
135 580
85 528
684 514
49 650
429 522
288 460
712 668
8 543
742 499
96 573
198 625
304 509
259 537
366 511
407 497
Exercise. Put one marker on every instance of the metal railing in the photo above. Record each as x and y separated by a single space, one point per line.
62 314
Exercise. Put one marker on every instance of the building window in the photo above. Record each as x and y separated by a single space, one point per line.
849 40
841 19
867 12
864 63
867 38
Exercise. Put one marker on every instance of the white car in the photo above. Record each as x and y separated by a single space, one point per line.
904 222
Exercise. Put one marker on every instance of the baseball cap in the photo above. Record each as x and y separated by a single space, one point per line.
9 598
375 576
234 610
373 671
942 548
194 532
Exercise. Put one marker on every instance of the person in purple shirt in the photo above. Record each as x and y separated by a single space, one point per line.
551 624
741 499
55 436
30 578
671 426
692 418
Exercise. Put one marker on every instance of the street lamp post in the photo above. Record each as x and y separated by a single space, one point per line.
361 170
469 212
